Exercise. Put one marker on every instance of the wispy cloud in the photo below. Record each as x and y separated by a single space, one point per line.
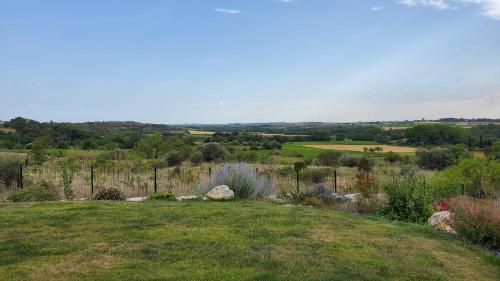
490 8
375 8
438 4
285 1
227 11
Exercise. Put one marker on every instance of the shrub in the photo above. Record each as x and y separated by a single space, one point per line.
196 158
162 196
67 168
368 205
9 170
213 152
329 158
479 176
109 194
39 151
408 200
37 193
477 220
348 160
437 158
240 178
319 195
408 170
173 158
316 175
392 157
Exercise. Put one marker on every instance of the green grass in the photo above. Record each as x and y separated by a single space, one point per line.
224 241
292 148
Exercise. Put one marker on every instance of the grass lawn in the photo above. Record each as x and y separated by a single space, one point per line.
224 241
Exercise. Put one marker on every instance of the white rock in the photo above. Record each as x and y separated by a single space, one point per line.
136 199
442 221
220 192
190 197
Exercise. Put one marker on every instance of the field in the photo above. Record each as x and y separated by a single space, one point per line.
224 241
360 148
202 133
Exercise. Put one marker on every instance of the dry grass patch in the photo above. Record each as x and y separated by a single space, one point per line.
360 148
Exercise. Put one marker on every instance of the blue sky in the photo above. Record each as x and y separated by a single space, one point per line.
220 61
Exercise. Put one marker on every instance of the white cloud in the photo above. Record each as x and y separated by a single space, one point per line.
438 4
285 1
227 11
490 8
375 8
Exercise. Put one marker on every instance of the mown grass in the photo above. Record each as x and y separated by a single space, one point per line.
224 241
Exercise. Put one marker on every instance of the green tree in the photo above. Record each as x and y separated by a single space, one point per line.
39 150
151 146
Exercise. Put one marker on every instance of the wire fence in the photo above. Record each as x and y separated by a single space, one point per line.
137 179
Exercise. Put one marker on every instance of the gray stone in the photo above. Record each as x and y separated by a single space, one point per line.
220 192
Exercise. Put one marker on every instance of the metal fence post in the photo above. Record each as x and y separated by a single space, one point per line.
155 185
21 185
335 181
297 180
91 179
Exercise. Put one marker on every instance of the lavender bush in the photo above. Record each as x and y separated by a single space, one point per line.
241 178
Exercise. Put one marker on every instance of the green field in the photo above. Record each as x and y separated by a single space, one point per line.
293 148
224 241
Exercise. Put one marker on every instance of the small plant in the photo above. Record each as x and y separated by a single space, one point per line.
161 196
68 167
37 193
477 220
240 178
112 194
317 194
9 170
408 200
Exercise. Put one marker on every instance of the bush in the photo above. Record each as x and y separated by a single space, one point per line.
162 196
316 175
408 200
67 168
437 158
213 152
38 193
479 176
392 157
317 196
173 158
348 160
196 158
240 178
329 158
408 170
9 170
109 194
477 220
